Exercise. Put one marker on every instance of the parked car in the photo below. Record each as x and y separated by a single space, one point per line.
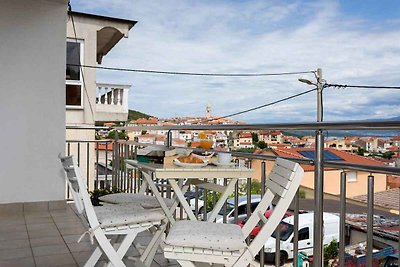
306 230
191 196
242 209
257 228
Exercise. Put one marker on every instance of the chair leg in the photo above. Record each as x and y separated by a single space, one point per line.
124 246
94 258
108 249
150 251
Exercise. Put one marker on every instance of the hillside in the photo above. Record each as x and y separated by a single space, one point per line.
134 115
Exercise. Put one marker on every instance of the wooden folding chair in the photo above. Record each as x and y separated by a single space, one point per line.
108 220
193 243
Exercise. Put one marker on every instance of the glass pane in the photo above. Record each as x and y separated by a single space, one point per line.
73 95
73 57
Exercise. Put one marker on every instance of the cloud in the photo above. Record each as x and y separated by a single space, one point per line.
252 36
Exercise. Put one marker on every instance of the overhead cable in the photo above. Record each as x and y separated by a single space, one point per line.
193 73
344 86
262 106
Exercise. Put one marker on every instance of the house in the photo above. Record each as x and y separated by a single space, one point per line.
341 144
179 142
185 135
396 141
142 122
356 180
221 139
294 141
146 138
270 137
308 140
90 38
244 140
160 140
372 144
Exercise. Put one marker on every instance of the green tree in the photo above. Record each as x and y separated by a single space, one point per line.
331 251
254 136
255 188
261 144
387 155
360 151
121 135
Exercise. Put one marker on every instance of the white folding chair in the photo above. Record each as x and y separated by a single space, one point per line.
148 202
193 243
107 220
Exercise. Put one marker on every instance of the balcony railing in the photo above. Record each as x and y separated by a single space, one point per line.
130 180
112 102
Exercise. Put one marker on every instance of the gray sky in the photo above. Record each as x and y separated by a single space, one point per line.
354 42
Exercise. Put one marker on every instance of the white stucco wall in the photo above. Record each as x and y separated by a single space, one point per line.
32 99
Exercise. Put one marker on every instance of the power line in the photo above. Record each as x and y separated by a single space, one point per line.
193 73
262 106
344 86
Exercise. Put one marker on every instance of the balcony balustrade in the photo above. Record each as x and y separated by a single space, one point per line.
129 180
112 102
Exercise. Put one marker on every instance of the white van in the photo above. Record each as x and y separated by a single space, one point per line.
306 232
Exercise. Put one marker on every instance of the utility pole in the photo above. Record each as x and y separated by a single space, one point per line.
319 178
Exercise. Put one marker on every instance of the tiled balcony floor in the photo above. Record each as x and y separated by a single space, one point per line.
50 239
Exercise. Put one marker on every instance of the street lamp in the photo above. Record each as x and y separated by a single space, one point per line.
307 82
318 173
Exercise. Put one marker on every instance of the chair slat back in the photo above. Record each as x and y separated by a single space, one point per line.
283 181
293 183
72 181
79 190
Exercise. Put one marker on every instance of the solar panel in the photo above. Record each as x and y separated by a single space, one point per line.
328 155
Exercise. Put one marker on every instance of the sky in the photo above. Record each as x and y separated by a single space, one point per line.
354 42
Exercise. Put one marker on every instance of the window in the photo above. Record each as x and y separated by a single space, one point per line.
73 76
351 176
242 210
304 234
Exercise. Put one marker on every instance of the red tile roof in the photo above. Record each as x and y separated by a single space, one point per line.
245 135
101 146
147 136
179 141
195 144
270 133
146 121
160 138
394 148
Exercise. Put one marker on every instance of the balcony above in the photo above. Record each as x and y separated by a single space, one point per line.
112 102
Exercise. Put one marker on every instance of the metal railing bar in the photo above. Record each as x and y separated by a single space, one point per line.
263 187
341 125
342 232
296 229
332 164
74 127
278 246
89 141
236 211
97 167
370 221
87 164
